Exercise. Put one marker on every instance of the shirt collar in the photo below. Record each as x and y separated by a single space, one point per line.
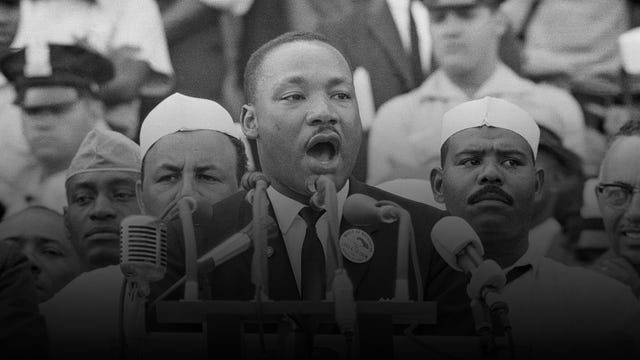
530 257
286 209
502 82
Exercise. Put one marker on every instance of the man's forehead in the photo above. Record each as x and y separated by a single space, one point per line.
480 137
622 162
97 179
38 223
281 61
183 144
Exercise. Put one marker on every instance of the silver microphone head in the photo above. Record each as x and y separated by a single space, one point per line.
451 235
143 248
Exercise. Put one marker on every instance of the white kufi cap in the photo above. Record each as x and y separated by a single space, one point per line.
184 113
493 112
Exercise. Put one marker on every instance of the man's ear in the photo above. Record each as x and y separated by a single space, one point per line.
249 122
139 196
436 185
539 183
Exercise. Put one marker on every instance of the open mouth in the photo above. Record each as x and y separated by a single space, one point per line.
324 147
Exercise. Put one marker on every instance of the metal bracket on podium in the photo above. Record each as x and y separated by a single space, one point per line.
224 321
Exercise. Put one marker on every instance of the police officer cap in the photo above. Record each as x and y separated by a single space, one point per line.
45 74
436 4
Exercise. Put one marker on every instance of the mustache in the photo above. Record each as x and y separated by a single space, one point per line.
491 191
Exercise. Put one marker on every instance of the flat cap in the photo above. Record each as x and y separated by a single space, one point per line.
184 113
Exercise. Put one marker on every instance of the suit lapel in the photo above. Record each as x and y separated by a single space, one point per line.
384 30
282 282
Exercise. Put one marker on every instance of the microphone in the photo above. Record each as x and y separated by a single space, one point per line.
325 197
143 259
256 184
143 248
459 245
360 209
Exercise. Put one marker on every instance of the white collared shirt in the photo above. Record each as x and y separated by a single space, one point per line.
293 227
562 311
400 13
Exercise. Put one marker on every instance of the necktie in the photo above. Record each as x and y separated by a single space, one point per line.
414 56
313 282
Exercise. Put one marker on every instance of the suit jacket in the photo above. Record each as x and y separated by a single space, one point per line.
372 280
371 40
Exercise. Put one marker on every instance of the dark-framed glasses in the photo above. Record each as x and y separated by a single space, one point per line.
617 195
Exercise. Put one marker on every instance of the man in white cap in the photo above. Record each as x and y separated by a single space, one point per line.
466 36
101 192
189 147
489 178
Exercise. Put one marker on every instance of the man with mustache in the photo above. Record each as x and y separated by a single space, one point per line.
619 181
303 116
489 178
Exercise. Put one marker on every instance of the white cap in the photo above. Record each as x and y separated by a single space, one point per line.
105 150
493 112
184 113
630 50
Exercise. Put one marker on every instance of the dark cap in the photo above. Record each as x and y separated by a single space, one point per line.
48 67
551 143
437 4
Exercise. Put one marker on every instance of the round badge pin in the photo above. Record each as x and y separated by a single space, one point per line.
269 251
357 246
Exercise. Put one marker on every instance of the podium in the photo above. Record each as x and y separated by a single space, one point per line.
230 325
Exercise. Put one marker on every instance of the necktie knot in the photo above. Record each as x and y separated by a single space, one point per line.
310 215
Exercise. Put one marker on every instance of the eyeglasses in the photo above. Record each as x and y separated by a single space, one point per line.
617 195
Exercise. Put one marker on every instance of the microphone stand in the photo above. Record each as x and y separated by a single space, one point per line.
186 206
256 185
339 285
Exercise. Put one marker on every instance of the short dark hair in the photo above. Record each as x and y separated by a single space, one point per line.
630 128
257 58
241 159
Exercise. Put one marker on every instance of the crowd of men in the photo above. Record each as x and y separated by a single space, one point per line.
513 158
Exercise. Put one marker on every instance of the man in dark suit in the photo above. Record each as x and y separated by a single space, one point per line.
303 115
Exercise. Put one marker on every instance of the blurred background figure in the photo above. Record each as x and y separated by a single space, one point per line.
466 40
15 150
616 191
573 44
57 90
203 40
129 33
39 232
562 170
